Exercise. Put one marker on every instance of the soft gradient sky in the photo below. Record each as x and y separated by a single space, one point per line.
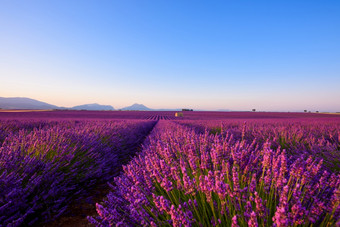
238 55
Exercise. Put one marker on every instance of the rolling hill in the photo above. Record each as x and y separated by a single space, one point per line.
137 106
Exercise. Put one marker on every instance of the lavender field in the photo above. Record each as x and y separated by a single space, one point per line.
202 169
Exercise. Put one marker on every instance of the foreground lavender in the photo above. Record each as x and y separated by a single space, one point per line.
185 178
43 168
319 138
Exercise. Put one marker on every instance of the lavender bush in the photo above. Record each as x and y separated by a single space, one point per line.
42 169
188 178
14 126
309 137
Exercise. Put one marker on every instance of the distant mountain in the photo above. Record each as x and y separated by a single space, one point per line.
94 106
24 103
20 103
137 106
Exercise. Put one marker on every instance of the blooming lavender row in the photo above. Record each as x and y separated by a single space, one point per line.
13 126
319 138
43 169
185 178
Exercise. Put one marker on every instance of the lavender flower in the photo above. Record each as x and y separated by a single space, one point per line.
234 222
253 220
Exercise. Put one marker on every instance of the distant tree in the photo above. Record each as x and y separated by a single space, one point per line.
253 110
305 111
317 111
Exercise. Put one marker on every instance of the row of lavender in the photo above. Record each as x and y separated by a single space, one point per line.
8 127
44 165
319 138
184 177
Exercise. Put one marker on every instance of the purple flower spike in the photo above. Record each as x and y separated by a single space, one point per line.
280 218
253 220
234 222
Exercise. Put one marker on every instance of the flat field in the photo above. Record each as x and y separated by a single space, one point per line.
202 169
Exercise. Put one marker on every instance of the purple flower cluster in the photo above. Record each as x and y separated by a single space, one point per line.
318 138
186 177
43 165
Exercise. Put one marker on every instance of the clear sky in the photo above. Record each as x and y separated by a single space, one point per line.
237 55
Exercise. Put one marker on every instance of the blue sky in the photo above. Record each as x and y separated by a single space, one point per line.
238 55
